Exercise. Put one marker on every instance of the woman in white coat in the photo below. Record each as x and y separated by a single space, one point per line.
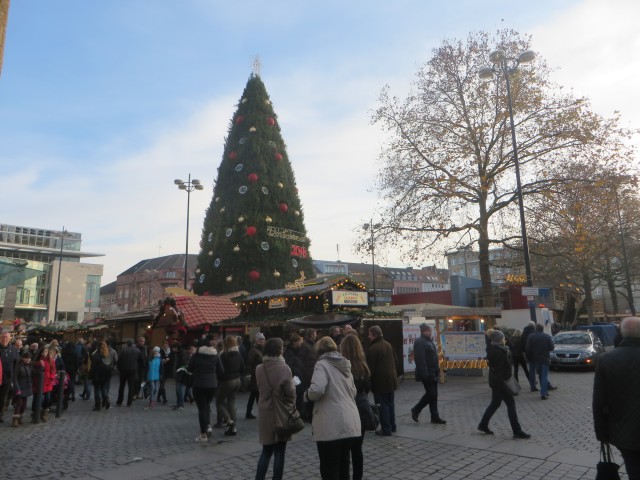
336 421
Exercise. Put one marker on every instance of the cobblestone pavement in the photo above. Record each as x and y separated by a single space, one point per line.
139 442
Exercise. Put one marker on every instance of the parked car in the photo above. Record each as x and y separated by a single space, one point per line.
576 349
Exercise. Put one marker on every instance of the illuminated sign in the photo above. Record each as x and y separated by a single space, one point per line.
353 299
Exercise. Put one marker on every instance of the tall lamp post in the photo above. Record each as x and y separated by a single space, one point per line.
188 186
371 227
55 311
508 66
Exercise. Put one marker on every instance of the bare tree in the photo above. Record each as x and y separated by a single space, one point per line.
448 170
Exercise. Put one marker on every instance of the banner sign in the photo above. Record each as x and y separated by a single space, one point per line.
352 299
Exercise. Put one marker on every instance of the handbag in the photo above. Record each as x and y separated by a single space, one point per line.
607 468
287 420
512 385
369 417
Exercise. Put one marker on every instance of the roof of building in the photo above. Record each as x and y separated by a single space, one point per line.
108 289
207 309
167 262
315 286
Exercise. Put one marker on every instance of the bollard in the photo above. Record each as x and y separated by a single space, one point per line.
37 394
60 387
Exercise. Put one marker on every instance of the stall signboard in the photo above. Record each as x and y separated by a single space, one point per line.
464 345
349 298
410 333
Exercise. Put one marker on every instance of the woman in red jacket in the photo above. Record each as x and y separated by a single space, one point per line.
45 363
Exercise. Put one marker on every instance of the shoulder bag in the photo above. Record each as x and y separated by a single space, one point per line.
607 468
369 417
287 419
512 385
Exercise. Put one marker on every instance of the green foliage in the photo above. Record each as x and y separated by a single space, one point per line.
255 192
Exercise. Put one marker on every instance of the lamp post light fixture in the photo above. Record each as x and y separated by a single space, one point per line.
55 310
508 66
372 227
188 186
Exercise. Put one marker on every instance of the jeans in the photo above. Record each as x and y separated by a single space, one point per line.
520 362
226 399
180 389
387 412
203 398
127 378
430 398
499 395
334 459
101 392
154 386
543 373
278 451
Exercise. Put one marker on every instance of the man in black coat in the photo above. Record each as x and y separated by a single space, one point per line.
8 355
539 348
616 389
427 371
128 362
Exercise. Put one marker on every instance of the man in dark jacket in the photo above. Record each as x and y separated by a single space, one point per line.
616 389
384 379
539 348
427 371
8 356
128 362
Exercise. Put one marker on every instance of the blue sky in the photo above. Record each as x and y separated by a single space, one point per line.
103 104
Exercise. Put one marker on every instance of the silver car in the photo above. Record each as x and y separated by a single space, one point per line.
577 348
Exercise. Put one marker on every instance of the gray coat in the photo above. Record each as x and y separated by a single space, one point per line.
539 347
273 371
333 392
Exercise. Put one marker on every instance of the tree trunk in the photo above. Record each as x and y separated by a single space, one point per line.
614 296
483 260
588 298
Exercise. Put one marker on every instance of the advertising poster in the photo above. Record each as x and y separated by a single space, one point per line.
409 335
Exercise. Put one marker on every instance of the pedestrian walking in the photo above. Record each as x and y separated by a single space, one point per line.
500 369
427 371
539 348
616 389
273 373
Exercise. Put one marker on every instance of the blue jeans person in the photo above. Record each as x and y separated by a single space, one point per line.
180 389
387 412
542 369
277 450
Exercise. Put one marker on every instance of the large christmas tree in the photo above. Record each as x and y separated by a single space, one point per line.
254 236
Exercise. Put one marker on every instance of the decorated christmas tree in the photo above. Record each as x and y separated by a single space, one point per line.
254 236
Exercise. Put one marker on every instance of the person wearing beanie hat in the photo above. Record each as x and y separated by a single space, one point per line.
500 370
254 358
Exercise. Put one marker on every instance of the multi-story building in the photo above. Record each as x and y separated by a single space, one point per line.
504 264
381 286
145 283
64 291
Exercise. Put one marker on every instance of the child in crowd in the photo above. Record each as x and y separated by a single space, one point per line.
22 387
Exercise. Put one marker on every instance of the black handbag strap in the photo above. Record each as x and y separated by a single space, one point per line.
605 452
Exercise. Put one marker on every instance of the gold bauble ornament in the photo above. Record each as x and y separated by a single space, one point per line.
240 219
252 129
211 253
222 210
217 199
268 220
276 273
296 213
280 185
229 279
236 248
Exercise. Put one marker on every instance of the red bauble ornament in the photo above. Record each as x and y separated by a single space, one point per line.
278 156
233 155
283 207
254 275
239 119
271 121
252 177
251 231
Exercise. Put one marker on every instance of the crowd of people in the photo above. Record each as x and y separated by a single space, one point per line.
324 376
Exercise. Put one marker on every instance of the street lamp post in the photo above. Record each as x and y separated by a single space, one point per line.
509 66
188 186
55 311
371 227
